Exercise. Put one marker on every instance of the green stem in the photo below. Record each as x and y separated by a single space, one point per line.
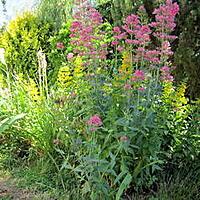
57 167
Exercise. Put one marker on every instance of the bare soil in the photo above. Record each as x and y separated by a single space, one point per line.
9 191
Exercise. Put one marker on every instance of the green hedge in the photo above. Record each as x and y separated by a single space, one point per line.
23 38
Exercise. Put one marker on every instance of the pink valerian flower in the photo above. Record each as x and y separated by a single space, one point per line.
60 45
128 30
140 49
120 48
96 16
141 89
75 26
142 9
166 48
164 36
129 41
138 75
132 20
152 56
127 86
70 56
132 32
166 74
84 36
165 19
95 121
165 69
117 30
114 43
120 36
142 34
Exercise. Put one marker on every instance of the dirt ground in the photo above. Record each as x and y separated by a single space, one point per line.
9 191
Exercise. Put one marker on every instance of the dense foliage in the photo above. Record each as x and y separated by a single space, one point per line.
187 57
22 39
54 12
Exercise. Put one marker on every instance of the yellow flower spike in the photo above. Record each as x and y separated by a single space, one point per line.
168 93
32 90
2 81
180 96
30 87
78 67
126 67
125 70
64 77
175 98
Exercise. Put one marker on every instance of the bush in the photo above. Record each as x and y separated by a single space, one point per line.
23 38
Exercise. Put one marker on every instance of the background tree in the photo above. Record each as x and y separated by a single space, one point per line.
187 56
55 12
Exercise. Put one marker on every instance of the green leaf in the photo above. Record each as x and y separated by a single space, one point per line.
66 165
6 123
120 176
123 186
86 188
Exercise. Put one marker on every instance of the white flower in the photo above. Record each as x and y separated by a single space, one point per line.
2 52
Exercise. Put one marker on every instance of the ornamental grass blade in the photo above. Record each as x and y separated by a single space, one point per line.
6 123
123 186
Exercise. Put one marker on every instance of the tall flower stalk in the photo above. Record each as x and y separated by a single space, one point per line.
135 35
87 38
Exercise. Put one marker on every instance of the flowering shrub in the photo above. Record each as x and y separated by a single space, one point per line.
108 126
137 36
129 105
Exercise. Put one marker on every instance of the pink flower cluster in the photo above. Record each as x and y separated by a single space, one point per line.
70 56
60 45
165 74
138 75
127 86
141 89
166 49
134 33
95 120
86 36
165 17
135 81
152 56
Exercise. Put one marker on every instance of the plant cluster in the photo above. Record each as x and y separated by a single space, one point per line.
112 120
